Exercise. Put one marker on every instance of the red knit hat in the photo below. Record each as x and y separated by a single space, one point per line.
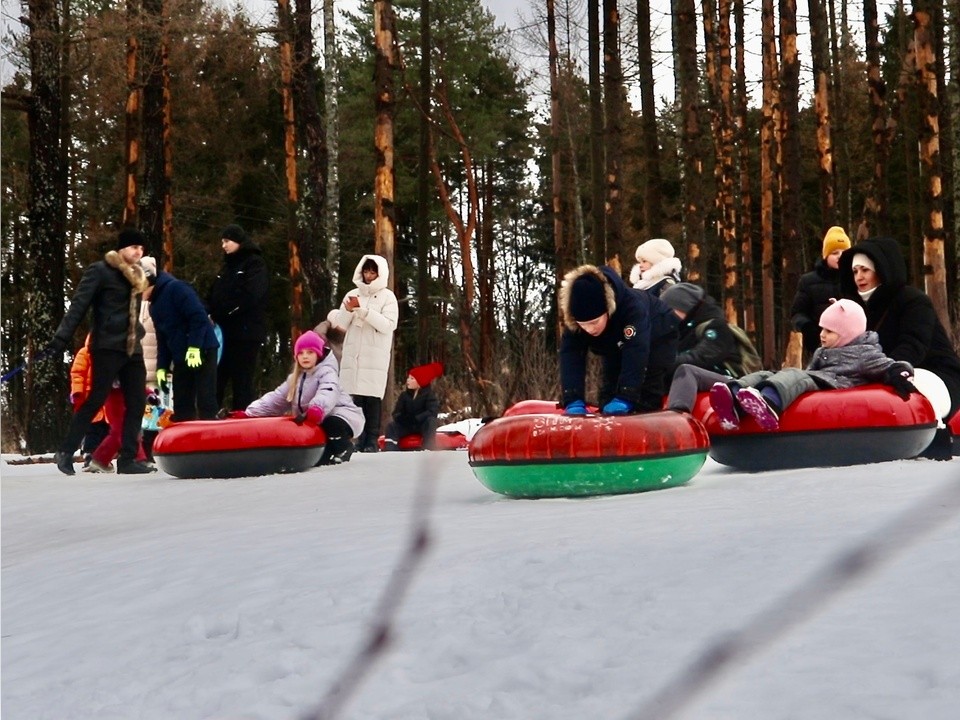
426 374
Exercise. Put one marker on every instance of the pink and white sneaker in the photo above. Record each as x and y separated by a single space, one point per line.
754 403
721 400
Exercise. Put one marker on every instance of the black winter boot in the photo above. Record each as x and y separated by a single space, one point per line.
64 461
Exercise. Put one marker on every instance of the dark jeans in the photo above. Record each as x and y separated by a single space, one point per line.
238 366
110 365
372 408
195 389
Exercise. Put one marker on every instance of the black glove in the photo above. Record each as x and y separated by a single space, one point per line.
899 379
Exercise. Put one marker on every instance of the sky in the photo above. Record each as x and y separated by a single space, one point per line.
150 598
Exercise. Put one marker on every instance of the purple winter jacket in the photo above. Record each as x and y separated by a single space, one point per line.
319 386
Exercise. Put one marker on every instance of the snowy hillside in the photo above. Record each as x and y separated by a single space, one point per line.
154 598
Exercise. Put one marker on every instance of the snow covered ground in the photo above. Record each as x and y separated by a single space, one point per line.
157 598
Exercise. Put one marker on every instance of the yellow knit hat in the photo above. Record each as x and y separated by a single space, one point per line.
835 239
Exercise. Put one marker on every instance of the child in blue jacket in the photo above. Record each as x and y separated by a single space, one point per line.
186 345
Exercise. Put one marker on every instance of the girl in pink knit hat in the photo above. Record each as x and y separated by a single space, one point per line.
848 356
312 394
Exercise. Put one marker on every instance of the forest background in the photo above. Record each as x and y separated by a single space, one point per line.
482 163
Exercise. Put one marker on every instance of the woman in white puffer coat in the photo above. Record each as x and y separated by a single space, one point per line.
368 316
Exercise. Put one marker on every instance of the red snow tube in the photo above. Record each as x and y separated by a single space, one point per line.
238 448
954 426
865 424
554 455
444 441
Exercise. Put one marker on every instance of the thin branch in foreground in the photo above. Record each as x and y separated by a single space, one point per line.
803 603
380 632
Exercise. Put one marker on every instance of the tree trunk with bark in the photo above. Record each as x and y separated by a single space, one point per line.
384 186
45 383
426 310
597 182
653 204
821 102
934 271
316 276
556 186
285 42
132 117
331 75
688 80
613 100
745 209
769 174
791 231
874 215
153 194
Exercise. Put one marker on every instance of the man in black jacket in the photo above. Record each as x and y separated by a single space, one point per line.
112 288
237 302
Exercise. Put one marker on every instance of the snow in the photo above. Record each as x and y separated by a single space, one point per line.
153 597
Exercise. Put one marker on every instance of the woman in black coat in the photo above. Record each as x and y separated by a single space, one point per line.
874 274
238 303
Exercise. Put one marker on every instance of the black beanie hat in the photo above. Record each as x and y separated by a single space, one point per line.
683 296
130 236
235 233
588 300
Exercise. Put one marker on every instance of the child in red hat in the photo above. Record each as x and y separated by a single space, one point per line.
416 410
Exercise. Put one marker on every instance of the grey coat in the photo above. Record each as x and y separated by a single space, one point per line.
859 362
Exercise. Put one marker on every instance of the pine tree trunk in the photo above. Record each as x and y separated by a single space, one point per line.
688 80
426 310
132 118
285 25
166 134
821 101
45 383
874 216
931 193
769 174
791 231
486 275
310 128
154 178
652 206
953 97
384 214
841 141
613 100
726 200
597 183
557 204
745 210
331 75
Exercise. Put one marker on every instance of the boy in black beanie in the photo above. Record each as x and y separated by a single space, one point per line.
633 332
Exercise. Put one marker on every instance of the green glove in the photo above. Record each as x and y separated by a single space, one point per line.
193 357
162 379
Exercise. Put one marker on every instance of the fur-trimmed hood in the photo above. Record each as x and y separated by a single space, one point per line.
564 296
